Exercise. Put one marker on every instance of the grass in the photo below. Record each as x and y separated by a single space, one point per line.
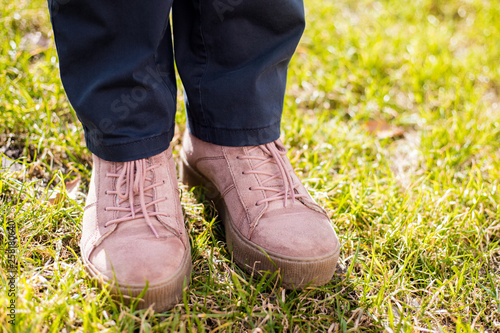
393 121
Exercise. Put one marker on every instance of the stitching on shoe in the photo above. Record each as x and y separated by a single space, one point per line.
227 190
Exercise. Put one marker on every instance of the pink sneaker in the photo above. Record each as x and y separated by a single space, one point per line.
271 221
133 230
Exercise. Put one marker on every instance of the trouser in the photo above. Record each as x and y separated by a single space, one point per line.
117 67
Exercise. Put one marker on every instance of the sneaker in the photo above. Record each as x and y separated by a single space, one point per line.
271 221
133 231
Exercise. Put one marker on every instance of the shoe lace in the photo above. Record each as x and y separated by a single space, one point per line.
131 182
275 152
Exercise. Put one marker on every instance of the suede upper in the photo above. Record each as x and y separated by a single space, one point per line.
253 188
124 243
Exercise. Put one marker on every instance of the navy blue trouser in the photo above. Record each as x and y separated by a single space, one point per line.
117 67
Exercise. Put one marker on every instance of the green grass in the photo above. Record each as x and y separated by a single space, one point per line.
417 212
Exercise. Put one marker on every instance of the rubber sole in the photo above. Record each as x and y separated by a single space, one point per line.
162 296
296 273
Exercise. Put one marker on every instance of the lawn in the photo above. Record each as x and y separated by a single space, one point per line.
392 118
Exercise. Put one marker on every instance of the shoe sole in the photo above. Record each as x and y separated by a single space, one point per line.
296 273
162 296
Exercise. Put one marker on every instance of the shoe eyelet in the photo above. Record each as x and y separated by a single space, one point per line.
250 188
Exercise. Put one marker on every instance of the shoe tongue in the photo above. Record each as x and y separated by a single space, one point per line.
270 167
136 195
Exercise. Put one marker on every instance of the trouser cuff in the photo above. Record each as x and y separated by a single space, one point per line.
131 151
235 137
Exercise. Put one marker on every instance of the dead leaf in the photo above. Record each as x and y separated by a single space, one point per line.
55 198
71 192
383 130
72 187
34 43
301 50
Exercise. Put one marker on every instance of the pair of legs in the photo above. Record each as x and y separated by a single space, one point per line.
117 66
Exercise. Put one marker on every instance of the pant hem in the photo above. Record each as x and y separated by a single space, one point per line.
131 151
235 137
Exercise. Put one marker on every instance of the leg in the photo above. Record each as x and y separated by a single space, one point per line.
232 56
117 67
233 66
